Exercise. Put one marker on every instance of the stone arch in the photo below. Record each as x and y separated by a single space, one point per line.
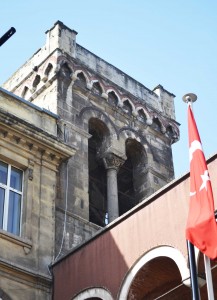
171 133
113 98
129 132
65 69
81 80
128 107
97 144
48 70
141 111
131 175
161 251
157 124
97 87
93 112
119 103
26 92
77 72
142 116
139 172
94 293
36 81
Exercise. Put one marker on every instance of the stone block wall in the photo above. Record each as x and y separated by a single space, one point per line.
101 111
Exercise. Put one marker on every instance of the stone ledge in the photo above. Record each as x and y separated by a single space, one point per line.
25 275
25 243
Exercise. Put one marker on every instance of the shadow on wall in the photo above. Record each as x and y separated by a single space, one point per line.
98 270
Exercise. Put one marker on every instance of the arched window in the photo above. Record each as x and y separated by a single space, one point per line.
48 70
97 173
127 107
65 71
142 116
156 125
36 81
112 98
81 80
169 131
96 89
25 93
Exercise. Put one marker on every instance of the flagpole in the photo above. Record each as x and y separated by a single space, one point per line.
209 283
189 99
193 272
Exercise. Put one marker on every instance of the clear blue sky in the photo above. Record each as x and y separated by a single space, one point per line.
167 42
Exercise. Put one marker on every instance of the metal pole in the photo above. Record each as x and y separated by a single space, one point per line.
209 283
7 35
189 99
193 272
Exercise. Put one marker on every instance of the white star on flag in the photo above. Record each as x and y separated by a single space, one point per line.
201 228
205 177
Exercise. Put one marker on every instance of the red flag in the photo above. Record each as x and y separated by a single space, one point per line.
201 229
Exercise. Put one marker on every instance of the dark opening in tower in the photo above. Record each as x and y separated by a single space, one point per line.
97 173
132 176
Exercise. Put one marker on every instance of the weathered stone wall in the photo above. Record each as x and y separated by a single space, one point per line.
28 141
130 119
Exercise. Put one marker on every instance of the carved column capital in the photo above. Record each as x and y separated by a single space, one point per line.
112 161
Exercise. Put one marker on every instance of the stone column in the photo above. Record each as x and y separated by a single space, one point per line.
112 162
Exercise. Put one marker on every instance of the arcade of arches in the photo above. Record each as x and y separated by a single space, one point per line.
108 172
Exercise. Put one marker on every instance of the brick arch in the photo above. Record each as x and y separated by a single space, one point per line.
161 251
92 293
93 112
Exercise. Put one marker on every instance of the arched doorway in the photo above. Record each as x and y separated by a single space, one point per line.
159 279
94 293
158 275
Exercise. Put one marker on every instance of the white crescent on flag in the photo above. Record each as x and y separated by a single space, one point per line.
195 145
201 228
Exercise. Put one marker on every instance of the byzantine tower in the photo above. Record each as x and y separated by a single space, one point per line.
122 132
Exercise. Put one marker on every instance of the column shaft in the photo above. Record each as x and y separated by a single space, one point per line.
112 194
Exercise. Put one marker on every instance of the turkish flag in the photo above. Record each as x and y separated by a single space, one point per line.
201 229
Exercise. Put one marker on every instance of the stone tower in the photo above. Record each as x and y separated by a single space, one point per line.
123 133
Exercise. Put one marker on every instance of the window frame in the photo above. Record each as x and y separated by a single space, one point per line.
7 188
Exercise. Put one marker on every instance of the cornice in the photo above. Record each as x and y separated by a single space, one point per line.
32 139
24 274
